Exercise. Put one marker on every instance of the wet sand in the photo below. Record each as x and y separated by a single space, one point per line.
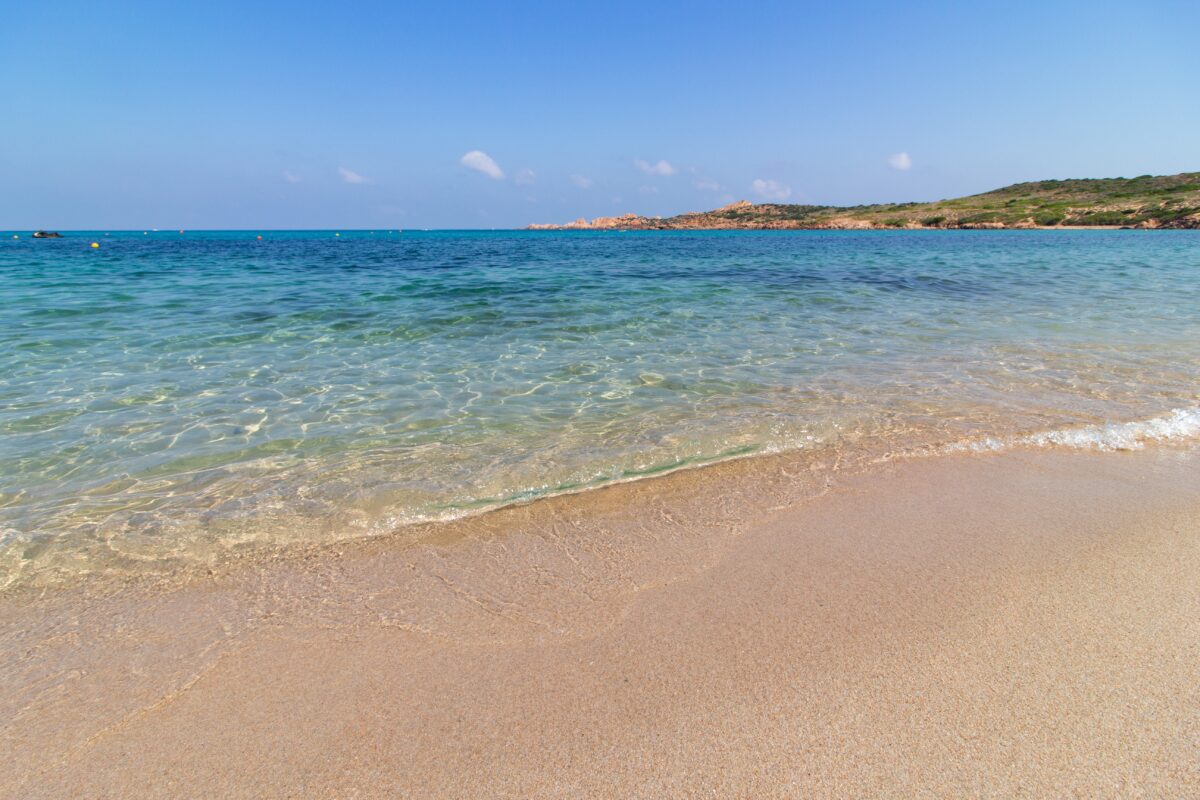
1024 624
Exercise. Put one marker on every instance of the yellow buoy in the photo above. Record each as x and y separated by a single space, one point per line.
95 244
337 234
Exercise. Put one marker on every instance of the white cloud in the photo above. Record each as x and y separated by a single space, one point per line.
648 189
900 161
482 162
706 185
350 176
662 168
771 189
525 177
291 177
581 182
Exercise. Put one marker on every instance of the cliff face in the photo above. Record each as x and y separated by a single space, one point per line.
1169 201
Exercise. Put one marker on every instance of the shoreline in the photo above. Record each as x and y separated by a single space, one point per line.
1173 427
641 626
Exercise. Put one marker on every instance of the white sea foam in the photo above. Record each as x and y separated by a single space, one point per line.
1178 425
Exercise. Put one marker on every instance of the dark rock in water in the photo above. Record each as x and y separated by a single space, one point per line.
47 235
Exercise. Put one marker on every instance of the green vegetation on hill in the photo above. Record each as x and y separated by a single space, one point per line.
1168 201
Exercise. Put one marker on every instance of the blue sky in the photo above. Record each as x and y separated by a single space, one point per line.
306 114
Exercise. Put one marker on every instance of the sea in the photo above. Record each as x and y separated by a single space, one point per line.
169 393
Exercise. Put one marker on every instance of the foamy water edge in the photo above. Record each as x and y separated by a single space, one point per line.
1178 425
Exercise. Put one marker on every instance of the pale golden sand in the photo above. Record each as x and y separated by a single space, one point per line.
1016 625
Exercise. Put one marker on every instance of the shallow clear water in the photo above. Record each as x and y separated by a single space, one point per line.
168 391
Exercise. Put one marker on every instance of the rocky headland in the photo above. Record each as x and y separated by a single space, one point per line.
1165 201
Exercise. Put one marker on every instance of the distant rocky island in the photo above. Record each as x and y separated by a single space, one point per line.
1148 201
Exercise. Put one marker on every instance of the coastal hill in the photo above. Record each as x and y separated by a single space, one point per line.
1166 201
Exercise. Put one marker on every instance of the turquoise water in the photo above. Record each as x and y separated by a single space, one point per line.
167 392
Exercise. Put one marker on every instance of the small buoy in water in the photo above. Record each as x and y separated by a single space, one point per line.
181 231
260 237
15 236
95 244
145 233
337 234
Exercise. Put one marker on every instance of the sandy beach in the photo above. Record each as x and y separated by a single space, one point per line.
1024 624
514 401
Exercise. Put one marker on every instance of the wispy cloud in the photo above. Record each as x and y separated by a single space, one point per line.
525 177
291 177
900 161
706 185
582 182
661 167
648 189
350 176
771 189
482 162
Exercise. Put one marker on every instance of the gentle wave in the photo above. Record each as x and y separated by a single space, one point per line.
1179 425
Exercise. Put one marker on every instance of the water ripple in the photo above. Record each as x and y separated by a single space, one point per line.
166 390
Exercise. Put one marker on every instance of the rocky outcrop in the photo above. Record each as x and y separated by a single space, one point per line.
625 221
